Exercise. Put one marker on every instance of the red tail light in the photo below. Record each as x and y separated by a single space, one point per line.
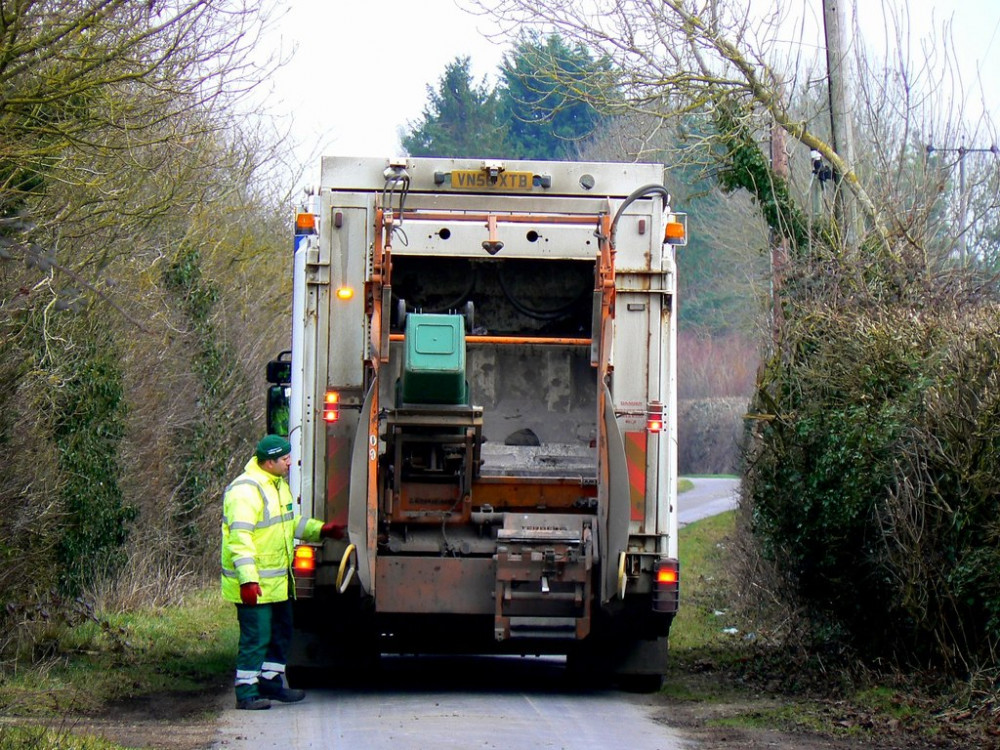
331 407
666 592
666 575
654 417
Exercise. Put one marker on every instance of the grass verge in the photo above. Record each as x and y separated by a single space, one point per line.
759 683
115 657
41 738
700 622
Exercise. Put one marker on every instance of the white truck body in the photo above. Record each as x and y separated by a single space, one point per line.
537 507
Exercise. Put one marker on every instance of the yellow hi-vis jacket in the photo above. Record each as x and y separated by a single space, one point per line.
258 532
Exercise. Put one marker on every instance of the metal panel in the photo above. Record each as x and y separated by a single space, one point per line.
666 522
639 236
465 239
435 585
308 361
295 431
658 492
346 250
638 332
427 204
567 178
636 455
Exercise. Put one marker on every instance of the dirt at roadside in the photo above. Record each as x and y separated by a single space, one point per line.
166 721
699 722
705 724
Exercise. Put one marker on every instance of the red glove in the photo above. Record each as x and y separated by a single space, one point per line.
249 592
332 531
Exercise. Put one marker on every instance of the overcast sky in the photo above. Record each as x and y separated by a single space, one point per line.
359 69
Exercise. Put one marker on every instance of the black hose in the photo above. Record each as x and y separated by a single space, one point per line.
632 198
402 181
463 296
460 299
522 308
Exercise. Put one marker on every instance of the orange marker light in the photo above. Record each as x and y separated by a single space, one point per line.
345 293
305 560
305 223
675 232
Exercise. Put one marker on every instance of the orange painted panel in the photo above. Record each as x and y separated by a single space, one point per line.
635 458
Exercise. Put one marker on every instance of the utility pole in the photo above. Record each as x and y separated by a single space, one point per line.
839 75
779 242
963 196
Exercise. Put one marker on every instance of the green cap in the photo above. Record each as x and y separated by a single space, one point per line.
271 447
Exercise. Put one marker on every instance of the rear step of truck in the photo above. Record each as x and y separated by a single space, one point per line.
543 567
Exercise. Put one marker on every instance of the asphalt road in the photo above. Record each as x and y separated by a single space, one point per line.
452 703
470 703
710 496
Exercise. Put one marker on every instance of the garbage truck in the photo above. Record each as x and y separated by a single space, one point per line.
481 388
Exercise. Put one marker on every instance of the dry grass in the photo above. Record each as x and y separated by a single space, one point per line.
154 576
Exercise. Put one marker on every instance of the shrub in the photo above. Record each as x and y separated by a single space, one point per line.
88 419
872 475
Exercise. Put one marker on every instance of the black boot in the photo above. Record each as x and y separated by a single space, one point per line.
276 691
254 703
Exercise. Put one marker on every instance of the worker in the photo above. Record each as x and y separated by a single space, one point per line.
258 531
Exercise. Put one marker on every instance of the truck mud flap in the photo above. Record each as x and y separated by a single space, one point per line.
543 577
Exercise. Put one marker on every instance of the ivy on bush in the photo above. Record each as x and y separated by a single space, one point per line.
202 448
746 167
87 425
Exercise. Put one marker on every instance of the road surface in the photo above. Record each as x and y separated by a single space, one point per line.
470 703
457 703
710 496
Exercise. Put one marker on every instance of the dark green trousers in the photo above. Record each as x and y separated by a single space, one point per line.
265 636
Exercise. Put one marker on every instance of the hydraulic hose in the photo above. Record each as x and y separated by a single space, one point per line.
632 198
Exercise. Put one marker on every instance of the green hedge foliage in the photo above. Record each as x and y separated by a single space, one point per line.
874 475
88 426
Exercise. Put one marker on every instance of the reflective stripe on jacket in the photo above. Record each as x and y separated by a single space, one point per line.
259 527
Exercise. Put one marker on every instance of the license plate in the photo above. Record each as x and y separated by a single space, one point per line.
470 179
